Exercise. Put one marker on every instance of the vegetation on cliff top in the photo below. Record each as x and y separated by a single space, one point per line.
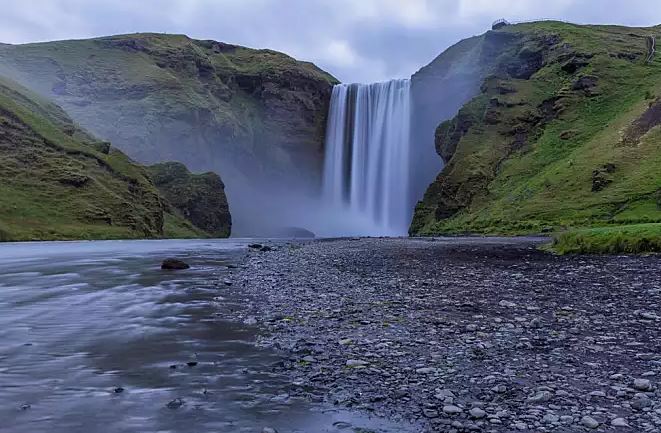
563 133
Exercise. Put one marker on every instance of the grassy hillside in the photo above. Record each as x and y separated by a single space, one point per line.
58 182
257 117
564 132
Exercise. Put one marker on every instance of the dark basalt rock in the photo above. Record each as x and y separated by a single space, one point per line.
601 178
174 264
586 84
200 198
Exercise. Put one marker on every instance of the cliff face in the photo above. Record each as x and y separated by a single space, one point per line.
199 198
562 131
255 116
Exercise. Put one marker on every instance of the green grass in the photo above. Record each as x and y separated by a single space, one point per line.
57 183
547 184
630 239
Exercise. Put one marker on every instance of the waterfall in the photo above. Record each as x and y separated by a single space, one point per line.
366 166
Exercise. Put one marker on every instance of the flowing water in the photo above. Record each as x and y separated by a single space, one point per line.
94 337
366 172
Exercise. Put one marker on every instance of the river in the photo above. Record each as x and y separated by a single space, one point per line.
97 338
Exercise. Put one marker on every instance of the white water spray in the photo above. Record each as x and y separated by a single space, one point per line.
366 172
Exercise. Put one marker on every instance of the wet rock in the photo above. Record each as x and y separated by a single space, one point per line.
175 404
174 264
119 390
191 363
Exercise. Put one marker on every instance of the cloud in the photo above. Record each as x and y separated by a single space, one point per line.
366 40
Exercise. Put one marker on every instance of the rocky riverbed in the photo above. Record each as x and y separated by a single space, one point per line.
460 335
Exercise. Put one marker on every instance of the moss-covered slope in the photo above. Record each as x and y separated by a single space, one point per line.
255 116
565 130
57 182
199 198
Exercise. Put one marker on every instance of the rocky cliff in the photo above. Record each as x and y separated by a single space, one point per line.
199 198
257 117
59 182
563 130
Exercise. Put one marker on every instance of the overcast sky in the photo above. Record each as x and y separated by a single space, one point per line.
355 40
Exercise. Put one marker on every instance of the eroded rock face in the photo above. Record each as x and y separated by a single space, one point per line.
199 198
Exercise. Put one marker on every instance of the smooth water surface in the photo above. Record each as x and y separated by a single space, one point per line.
80 320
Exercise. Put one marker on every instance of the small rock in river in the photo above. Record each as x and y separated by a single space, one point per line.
119 389
174 264
191 363
175 404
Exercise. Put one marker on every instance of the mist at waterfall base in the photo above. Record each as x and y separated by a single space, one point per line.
372 176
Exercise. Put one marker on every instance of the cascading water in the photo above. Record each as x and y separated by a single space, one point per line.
366 172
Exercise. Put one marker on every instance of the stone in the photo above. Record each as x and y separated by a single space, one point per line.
642 385
430 413
451 409
540 397
477 413
640 402
550 418
345 341
174 264
175 404
269 430
507 304
619 422
589 422
356 363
